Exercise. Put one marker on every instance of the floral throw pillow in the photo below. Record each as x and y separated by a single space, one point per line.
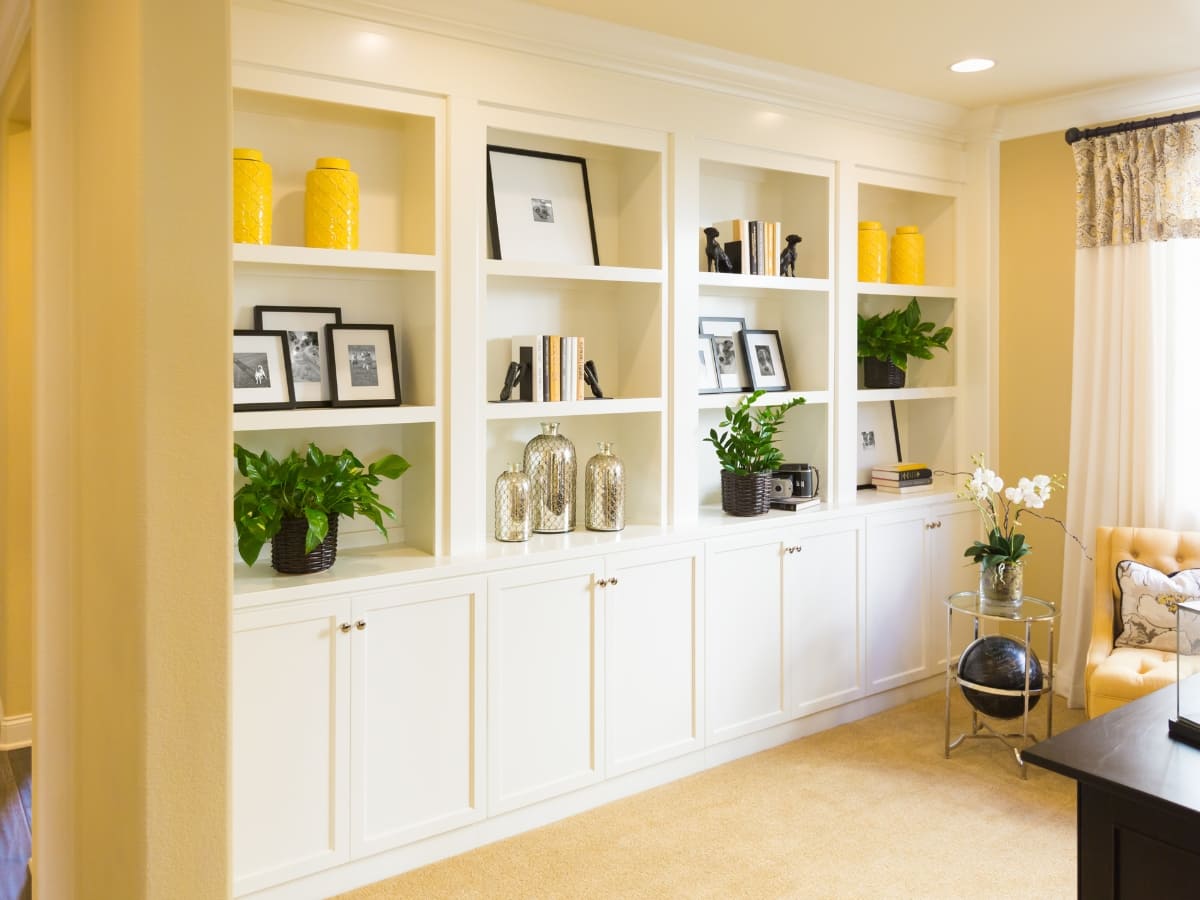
1147 616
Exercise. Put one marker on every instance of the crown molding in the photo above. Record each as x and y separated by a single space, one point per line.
1087 108
14 28
579 40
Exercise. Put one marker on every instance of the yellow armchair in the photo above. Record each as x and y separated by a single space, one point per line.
1116 675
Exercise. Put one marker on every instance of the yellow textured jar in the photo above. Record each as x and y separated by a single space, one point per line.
251 197
872 252
331 205
908 256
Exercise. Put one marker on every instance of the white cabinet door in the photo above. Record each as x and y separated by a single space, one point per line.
822 574
897 608
545 682
951 532
653 620
744 616
417 724
291 717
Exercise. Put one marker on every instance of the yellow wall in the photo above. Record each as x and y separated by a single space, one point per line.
1037 283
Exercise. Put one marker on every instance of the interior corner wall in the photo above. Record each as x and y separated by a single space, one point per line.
1037 291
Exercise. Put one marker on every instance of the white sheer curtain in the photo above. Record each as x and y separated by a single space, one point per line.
1135 416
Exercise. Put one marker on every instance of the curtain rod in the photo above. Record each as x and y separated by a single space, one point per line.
1076 134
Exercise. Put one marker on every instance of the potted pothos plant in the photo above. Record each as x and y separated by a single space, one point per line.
295 502
886 341
748 453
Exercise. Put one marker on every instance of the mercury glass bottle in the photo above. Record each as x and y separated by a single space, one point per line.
512 505
550 465
251 197
331 205
604 490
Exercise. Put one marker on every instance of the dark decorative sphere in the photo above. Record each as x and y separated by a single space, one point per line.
996 661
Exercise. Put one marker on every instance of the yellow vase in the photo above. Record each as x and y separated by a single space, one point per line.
872 252
331 205
251 197
908 256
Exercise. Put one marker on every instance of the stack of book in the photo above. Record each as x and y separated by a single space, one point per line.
753 246
903 478
551 367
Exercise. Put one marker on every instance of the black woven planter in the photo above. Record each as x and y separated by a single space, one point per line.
745 495
287 548
878 373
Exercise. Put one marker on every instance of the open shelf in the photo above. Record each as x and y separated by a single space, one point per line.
329 417
895 201
271 255
610 406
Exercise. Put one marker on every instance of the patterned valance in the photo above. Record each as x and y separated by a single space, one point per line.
1140 185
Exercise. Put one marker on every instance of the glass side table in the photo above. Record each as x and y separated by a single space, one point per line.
1030 611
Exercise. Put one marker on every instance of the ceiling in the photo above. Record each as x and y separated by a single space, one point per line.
1042 48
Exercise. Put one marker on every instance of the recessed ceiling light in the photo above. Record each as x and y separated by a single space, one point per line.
974 64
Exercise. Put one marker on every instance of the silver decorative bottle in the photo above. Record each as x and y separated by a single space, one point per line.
512 504
550 465
604 490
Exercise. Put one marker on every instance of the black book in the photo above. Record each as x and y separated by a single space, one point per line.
525 382
905 475
733 250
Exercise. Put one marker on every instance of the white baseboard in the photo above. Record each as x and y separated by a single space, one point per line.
16 732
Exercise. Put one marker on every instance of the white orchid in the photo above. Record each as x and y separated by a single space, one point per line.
985 481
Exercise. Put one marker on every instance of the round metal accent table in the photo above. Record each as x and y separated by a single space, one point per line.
1030 611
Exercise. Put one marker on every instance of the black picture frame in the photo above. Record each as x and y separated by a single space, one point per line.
262 371
540 207
305 328
708 378
366 373
764 360
731 359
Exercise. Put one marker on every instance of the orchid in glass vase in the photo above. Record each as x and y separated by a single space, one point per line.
1001 556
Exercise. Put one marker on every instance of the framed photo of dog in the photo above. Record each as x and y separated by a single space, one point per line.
262 371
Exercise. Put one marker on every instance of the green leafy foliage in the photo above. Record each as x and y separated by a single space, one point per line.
895 336
313 487
998 549
748 444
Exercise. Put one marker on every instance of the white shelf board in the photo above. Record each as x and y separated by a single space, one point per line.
321 258
720 401
328 417
608 407
516 269
877 395
877 289
731 281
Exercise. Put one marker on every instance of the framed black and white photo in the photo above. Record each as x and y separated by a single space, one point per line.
707 377
727 345
878 438
262 371
764 358
363 370
305 327
540 207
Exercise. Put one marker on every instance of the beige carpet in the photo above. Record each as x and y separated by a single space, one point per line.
870 809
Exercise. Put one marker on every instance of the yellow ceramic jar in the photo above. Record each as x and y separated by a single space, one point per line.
331 205
908 256
872 252
251 197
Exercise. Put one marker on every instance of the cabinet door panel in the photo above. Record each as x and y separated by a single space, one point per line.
544 678
821 582
417 663
744 685
950 572
291 717
651 617
897 601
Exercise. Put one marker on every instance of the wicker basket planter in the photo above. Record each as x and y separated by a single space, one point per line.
745 495
878 373
287 548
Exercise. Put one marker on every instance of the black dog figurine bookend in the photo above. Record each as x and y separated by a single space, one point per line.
787 259
717 260
590 379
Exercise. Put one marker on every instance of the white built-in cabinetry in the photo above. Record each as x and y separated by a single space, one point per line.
441 690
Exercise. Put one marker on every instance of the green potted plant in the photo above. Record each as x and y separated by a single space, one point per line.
748 455
295 502
885 342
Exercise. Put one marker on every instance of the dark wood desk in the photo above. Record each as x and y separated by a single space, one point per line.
1139 800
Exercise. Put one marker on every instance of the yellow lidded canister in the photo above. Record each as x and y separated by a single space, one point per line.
251 197
872 252
331 205
908 256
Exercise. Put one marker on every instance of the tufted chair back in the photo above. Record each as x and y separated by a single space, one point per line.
1165 550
